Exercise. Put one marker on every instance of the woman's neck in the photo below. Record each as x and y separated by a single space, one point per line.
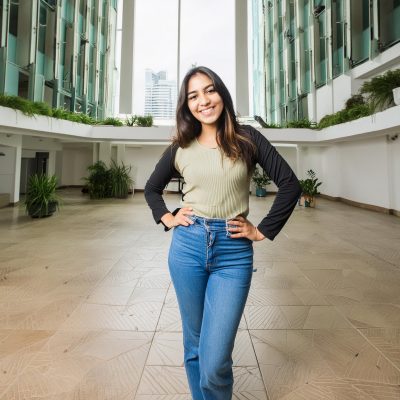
208 135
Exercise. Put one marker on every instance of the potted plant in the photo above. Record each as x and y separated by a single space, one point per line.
41 198
121 182
309 189
380 89
99 183
260 179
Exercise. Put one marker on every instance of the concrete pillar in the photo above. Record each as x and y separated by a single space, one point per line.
14 195
127 54
105 152
241 59
96 147
120 154
51 169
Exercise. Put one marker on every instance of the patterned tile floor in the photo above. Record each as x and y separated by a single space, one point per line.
87 310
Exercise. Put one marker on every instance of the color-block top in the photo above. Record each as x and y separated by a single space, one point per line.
216 187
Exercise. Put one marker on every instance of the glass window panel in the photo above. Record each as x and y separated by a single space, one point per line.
389 23
338 25
360 31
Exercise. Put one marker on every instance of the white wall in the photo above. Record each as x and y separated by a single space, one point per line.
143 160
365 171
324 101
74 165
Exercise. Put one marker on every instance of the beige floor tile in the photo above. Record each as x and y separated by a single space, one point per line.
163 380
386 340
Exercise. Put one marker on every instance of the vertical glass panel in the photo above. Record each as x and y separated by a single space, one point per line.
338 25
389 23
101 78
271 100
1 23
258 59
80 69
282 97
360 31
155 76
92 70
82 16
320 46
13 32
306 78
292 52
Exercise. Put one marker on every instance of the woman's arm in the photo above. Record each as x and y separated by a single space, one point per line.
288 185
162 174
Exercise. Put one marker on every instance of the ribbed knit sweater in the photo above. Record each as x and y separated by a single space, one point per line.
217 187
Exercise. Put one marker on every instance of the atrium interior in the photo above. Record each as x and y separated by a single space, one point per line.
87 304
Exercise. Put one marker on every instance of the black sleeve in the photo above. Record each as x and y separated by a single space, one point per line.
162 174
288 185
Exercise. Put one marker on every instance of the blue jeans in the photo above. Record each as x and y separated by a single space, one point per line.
211 273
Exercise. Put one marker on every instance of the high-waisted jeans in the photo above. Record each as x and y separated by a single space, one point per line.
211 273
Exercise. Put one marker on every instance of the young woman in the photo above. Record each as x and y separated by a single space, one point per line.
211 253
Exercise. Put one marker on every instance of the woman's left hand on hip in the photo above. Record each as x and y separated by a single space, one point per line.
243 228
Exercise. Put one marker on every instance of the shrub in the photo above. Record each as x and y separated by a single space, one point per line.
379 89
99 181
302 123
137 120
355 100
112 121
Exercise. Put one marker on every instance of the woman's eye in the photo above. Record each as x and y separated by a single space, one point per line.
191 97
210 90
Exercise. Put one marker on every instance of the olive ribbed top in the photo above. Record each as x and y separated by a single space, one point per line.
218 188
215 186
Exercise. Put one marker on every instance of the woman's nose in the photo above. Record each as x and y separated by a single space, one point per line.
204 99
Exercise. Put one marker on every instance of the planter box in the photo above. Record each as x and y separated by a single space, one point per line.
396 96
302 202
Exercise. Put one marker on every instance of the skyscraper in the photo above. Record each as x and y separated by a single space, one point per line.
160 95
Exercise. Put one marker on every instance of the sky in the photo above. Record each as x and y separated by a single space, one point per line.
207 38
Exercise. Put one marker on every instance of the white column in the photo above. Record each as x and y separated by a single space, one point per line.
120 154
127 54
51 169
14 195
105 152
95 152
241 59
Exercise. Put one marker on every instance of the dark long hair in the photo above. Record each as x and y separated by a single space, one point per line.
233 139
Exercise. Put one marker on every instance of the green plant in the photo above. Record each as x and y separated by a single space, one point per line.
41 199
137 120
355 100
112 121
309 186
121 181
260 179
17 103
379 89
99 181
301 123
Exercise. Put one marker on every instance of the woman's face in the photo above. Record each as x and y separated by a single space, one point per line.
203 101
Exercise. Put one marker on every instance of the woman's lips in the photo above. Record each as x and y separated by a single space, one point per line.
207 111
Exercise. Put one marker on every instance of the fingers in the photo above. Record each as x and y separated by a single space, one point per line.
181 216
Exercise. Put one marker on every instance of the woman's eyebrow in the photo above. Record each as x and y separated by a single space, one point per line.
205 88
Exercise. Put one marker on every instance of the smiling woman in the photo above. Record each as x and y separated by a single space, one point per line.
211 254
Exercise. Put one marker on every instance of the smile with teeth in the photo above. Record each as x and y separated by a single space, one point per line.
207 111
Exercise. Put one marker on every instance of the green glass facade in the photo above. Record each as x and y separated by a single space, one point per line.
58 51
309 43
